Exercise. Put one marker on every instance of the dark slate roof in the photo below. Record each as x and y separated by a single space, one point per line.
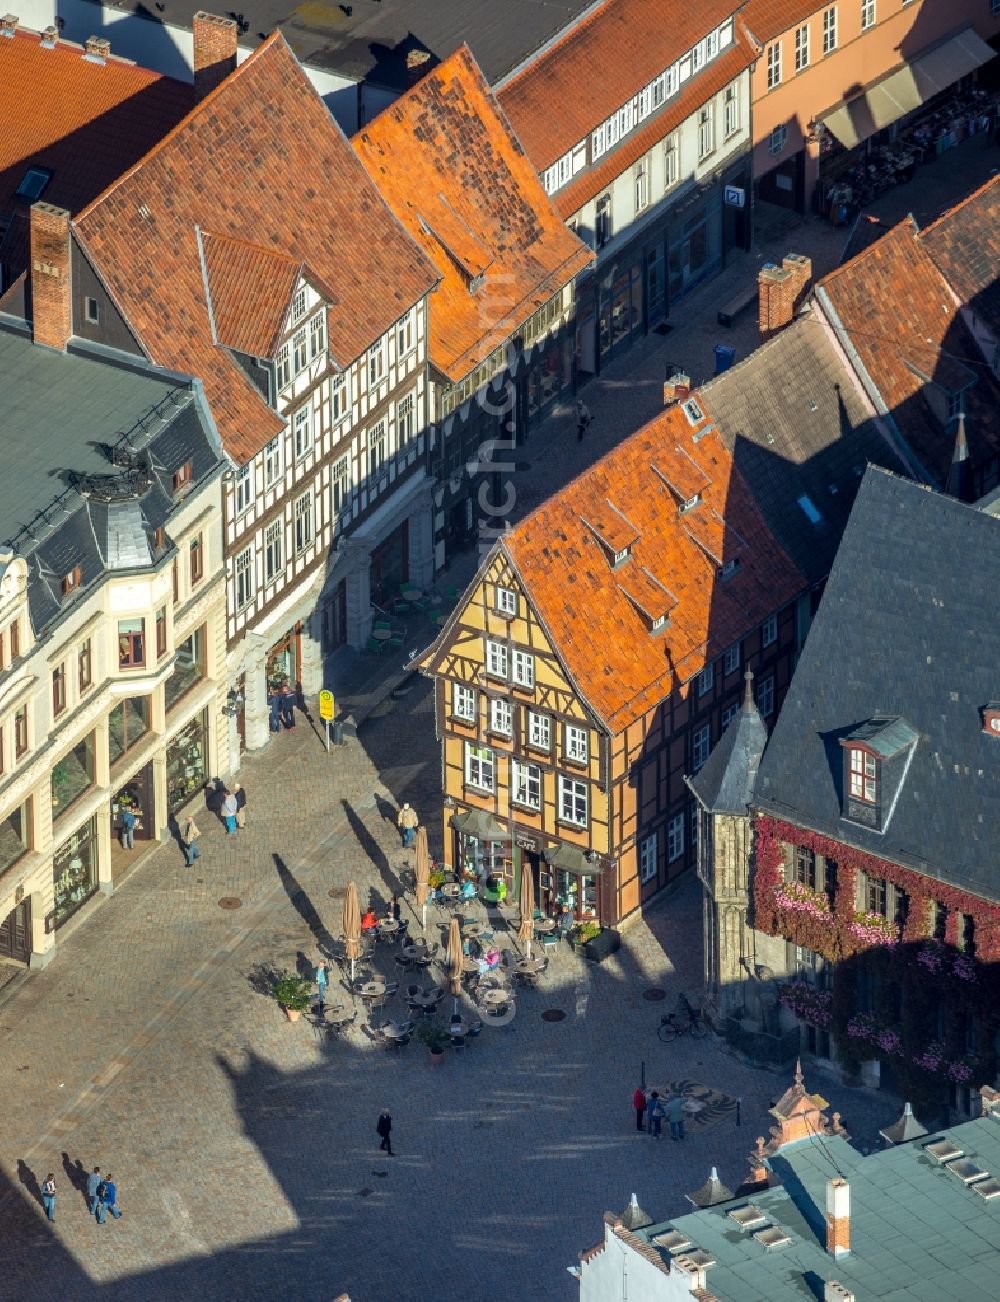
724 785
798 427
918 1233
907 627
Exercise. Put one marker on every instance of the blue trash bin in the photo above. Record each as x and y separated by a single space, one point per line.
725 357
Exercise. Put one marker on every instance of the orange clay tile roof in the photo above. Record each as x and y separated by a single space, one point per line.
85 122
769 18
478 209
259 159
965 245
249 291
696 91
904 321
598 617
599 64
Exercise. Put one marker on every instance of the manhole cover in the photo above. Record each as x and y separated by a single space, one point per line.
553 1015
230 902
337 892
654 996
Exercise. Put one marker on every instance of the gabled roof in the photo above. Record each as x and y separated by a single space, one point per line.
479 211
249 292
261 160
906 628
965 245
621 667
84 120
724 785
798 427
595 67
902 318
769 18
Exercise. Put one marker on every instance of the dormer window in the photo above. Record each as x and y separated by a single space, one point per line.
298 306
659 623
956 405
863 775
877 757
693 411
728 567
619 558
182 476
71 581
690 503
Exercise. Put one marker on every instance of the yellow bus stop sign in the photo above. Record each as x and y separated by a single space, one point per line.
326 705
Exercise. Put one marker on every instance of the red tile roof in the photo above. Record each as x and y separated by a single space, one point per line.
249 291
965 245
598 617
769 18
260 160
903 318
479 210
558 99
84 121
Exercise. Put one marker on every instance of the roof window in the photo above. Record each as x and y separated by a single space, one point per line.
33 183
693 411
623 555
810 509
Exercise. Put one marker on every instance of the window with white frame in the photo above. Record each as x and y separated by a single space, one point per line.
283 367
303 521
701 744
406 421
706 130
732 659
776 139
480 767
526 785
539 731
731 110
802 47
340 396
867 14
497 662
641 184
645 103
729 713
769 631
463 702
699 55
705 680
726 34
378 448
602 220
243 489
273 461
274 550
863 772
765 696
317 335
376 363
830 29
572 801
675 838
300 352
647 858
340 485
671 161
576 744
298 306
524 669
774 65
501 717
302 430
598 142
244 578
505 601
406 333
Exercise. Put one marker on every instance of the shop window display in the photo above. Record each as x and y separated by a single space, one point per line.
74 873
187 762
72 775
128 723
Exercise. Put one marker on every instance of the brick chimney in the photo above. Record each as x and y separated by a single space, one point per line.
214 51
676 388
97 49
781 290
838 1217
51 290
8 24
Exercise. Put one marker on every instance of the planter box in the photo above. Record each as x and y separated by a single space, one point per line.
606 942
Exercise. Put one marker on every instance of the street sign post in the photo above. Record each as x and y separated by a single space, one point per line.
326 713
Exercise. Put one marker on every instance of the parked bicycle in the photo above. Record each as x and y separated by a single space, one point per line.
686 1020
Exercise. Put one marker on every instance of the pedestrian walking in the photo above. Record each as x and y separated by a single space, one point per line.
287 706
655 1113
393 910
583 419
108 1196
322 978
94 1183
384 1127
639 1103
241 805
675 1115
190 837
127 831
49 1196
274 706
408 822
228 811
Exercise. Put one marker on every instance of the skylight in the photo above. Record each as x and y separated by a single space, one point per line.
810 509
33 183
693 412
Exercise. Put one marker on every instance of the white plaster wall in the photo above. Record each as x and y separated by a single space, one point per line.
618 1274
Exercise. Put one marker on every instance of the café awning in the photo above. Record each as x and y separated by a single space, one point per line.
479 823
888 99
571 859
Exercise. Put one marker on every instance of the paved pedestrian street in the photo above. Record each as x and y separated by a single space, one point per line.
244 1147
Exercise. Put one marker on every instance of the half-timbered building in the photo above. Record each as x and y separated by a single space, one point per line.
250 248
501 319
586 669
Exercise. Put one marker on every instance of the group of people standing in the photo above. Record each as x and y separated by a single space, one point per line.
102 1196
232 811
281 703
651 1111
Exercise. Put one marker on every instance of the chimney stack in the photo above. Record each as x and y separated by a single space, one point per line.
838 1217
51 302
50 38
676 388
97 49
780 290
8 24
214 51
834 1291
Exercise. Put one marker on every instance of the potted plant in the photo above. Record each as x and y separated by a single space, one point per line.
595 941
291 993
435 879
433 1034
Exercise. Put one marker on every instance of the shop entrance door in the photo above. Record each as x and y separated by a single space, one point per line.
135 795
390 565
15 933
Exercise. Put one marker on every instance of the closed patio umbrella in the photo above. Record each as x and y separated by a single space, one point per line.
453 958
527 927
352 926
423 867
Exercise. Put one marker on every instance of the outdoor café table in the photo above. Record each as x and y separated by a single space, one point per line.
425 999
388 926
373 988
496 998
458 1028
472 930
415 950
395 1031
470 966
451 891
381 634
531 966
545 926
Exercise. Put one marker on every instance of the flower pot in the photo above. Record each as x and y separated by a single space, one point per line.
293 1014
437 1057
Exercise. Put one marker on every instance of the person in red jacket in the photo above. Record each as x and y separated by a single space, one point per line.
369 921
639 1103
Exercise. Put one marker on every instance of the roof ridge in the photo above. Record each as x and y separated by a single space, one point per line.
252 244
949 212
909 222
534 59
